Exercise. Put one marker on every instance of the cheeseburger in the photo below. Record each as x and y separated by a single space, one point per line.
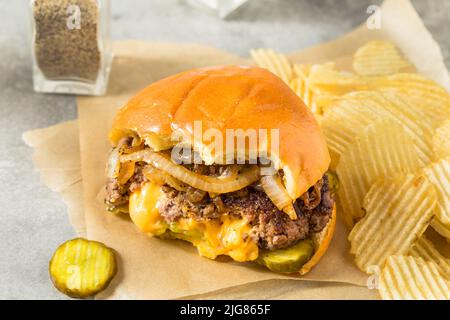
229 159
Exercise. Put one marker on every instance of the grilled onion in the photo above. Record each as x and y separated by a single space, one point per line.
230 171
125 145
126 172
290 211
276 192
163 162
160 177
195 195
113 167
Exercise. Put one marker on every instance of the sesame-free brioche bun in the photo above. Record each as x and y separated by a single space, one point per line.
229 97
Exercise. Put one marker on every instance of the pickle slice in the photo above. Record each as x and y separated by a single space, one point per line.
195 234
333 182
81 268
288 260
122 209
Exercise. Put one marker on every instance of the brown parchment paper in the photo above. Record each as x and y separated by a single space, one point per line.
151 268
57 157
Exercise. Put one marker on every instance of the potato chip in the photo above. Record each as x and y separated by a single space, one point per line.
326 78
412 84
410 278
441 140
383 149
440 228
326 84
424 94
300 73
354 111
301 70
349 116
324 101
318 100
345 121
324 81
299 86
439 175
276 63
413 121
436 111
425 249
377 58
398 212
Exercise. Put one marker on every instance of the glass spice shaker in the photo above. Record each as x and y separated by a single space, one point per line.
71 46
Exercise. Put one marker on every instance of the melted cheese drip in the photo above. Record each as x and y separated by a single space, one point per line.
225 236
144 210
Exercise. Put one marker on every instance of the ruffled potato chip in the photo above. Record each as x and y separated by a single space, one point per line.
353 112
275 62
441 140
398 212
377 58
383 149
439 175
411 278
425 249
441 228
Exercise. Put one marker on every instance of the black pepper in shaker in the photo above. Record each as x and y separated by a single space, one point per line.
71 46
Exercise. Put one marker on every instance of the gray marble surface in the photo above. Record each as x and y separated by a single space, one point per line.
33 219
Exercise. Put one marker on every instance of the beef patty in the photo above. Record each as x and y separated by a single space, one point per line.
271 228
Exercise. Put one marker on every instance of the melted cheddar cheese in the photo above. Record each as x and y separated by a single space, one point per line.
144 212
226 235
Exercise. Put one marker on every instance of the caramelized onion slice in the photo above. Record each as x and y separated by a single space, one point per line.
126 172
246 176
113 166
113 169
195 195
277 193
160 177
290 211
230 171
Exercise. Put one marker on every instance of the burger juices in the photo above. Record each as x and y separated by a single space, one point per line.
283 219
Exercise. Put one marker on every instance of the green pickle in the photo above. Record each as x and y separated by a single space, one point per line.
333 182
81 268
288 260
123 209
193 234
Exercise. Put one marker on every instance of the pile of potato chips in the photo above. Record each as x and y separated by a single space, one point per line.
388 131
